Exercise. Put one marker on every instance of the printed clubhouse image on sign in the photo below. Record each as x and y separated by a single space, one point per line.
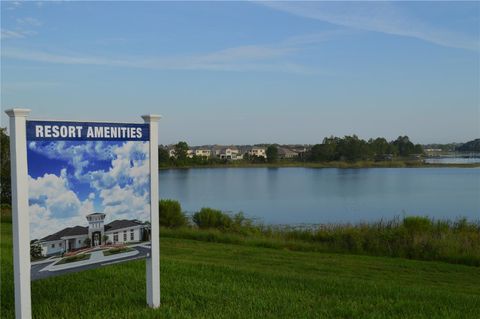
89 200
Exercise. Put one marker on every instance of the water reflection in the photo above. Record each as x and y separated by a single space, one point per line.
304 195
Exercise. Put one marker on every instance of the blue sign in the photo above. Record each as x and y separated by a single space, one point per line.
86 131
88 194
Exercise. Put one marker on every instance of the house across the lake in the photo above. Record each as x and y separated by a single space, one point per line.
95 234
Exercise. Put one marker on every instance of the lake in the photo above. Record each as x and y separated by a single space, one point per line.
312 195
453 160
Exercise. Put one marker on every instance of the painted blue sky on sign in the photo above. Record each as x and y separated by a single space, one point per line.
69 180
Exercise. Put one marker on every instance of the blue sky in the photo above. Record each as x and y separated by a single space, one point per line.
70 179
249 72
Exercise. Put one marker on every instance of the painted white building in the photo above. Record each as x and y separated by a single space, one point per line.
202 152
257 151
73 238
230 153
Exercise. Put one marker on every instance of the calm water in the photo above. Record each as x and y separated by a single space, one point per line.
453 160
307 195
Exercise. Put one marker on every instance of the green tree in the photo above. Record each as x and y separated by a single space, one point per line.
327 151
351 148
418 149
272 154
87 242
6 192
404 146
212 218
163 157
181 151
35 249
379 146
171 214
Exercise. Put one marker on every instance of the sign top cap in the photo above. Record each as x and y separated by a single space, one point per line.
151 117
17 112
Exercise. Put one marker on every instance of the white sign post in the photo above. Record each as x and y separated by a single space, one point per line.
21 217
153 262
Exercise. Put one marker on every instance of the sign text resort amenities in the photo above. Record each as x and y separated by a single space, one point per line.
48 130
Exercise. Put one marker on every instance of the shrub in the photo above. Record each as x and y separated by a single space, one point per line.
212 218
417 224
171 214
35 249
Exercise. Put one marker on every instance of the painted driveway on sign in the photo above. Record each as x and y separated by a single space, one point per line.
39 271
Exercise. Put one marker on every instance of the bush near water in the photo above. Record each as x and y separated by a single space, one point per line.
413 237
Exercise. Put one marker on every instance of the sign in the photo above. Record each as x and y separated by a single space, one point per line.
84 195
86 131
88 194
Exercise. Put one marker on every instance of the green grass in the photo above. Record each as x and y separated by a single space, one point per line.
114 251
72 259
213 280
413 237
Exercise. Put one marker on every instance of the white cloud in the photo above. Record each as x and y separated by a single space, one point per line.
262 57
17 34
124 188
29 21
54 206
12 5
382 17
76 154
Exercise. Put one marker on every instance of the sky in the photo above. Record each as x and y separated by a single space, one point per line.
249 72
70 179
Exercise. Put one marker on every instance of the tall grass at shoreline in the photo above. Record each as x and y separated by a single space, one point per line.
414 237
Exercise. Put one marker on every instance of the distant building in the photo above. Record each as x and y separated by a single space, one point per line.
171 152
286 153
190 153
73 238
257 151
203 152
230 153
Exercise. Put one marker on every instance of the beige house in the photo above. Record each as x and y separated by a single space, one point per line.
286 153
258 151
230 153
202 152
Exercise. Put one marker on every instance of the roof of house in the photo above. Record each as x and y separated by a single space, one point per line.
285 151
69 231
95 214
80 230
122 223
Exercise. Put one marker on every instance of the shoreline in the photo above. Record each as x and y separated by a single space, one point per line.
339 165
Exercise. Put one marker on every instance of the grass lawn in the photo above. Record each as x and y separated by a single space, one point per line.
213 280
114 251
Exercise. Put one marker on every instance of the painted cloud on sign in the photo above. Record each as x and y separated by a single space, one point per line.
108 177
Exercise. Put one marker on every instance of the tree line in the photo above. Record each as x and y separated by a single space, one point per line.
347 148
352 148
